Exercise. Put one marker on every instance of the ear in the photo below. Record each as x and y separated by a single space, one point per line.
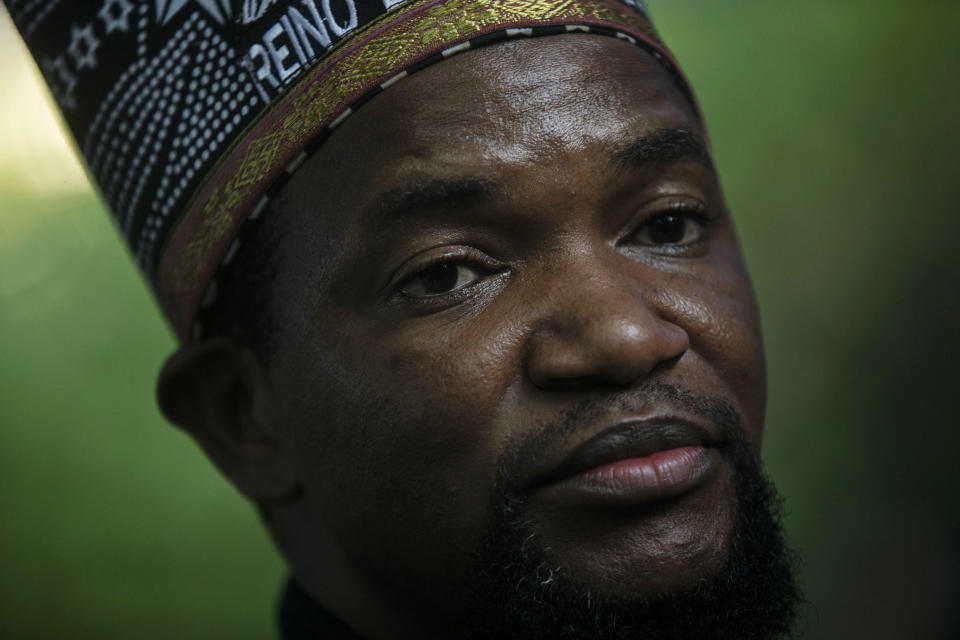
218 392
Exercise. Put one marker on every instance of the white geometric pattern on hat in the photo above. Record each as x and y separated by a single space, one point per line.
253 9
219 9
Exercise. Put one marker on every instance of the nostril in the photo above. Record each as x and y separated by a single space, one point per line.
584 382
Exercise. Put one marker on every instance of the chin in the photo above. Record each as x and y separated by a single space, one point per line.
642 550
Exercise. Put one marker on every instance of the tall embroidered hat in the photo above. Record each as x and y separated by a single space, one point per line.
191 114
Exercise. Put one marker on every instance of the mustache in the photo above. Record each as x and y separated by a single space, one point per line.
527 453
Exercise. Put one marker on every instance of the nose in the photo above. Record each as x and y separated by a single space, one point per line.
600 330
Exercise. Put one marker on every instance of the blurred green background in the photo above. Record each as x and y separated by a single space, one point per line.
835 128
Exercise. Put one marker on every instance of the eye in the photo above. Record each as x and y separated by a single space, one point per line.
672 229
440 278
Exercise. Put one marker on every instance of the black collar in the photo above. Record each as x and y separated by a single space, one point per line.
302 618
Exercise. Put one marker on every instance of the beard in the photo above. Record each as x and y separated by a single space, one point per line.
517 592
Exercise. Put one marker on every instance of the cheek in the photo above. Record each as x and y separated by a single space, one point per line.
717 309
398 438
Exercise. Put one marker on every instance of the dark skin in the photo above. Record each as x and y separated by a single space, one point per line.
477 251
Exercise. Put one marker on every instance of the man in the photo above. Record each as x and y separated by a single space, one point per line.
461 306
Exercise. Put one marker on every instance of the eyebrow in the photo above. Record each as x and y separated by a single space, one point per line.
452 193
434 193
663 145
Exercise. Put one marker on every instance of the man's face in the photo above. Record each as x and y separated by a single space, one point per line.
512 268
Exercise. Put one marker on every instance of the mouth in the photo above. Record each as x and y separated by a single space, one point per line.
632 463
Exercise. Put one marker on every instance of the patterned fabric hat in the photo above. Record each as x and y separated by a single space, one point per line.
191 114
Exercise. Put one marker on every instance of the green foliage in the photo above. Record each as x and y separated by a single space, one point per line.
114 525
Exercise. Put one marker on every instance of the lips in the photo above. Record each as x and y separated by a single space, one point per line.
634 462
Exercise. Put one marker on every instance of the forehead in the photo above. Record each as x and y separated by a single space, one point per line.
515 102
511 102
